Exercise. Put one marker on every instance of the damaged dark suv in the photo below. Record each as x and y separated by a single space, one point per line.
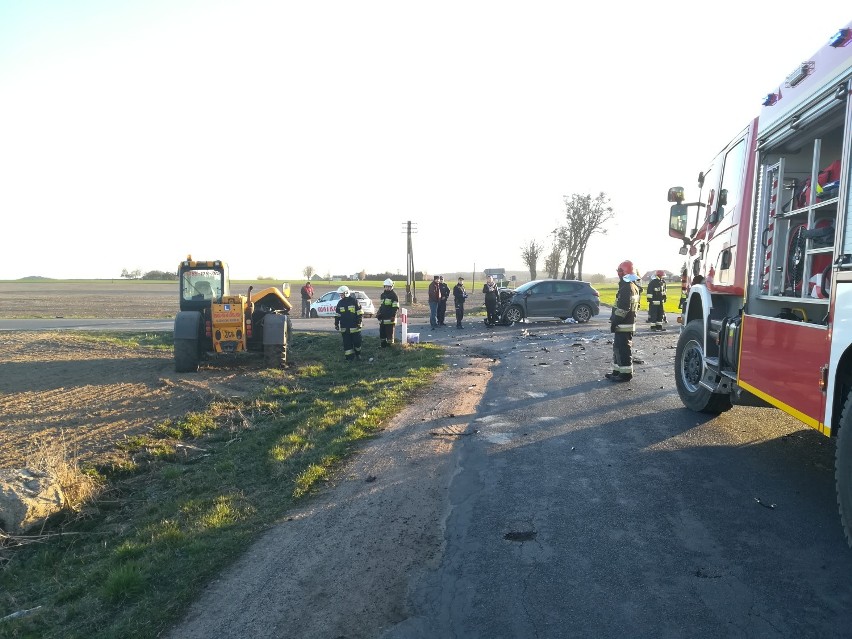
553 298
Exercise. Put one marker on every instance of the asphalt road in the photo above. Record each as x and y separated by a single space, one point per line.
582 508
321 324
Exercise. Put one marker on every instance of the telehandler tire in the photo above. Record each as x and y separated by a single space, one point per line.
275 355
186 355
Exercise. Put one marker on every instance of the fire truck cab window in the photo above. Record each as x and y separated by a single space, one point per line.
732 178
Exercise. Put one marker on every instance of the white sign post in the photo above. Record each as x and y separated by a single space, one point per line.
403 325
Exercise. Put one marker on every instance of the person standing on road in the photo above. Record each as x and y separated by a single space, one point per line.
347 319
388 306
656 296
442 303
434 298
489 289
623 323
459 296
307 295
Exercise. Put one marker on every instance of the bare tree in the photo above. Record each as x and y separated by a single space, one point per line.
308 272
553 260
530 254
131 275
584 216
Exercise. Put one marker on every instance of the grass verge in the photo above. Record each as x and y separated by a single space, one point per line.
187 499
155 340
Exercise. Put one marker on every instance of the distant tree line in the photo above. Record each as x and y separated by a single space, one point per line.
310 273
150 275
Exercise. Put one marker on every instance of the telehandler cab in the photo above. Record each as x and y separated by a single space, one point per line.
212 320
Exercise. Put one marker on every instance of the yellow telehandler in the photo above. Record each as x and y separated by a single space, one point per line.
212 320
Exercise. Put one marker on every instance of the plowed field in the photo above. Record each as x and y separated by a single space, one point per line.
94 393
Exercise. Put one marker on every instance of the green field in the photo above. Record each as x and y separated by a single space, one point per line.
608 292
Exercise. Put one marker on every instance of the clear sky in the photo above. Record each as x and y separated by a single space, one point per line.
276 134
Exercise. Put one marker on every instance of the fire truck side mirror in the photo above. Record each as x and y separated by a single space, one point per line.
677 221
676 194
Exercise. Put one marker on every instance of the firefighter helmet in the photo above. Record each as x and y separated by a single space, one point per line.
388 282
626 267
343 291
661 273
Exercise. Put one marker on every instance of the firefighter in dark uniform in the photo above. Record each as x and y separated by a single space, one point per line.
623 323
347 319
656 296
388 307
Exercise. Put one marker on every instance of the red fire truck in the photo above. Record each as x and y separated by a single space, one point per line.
767 317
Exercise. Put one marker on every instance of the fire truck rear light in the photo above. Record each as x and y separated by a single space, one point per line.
208 328
771 99
841 38
800 74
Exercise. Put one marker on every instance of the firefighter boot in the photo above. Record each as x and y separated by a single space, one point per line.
624 377
612 376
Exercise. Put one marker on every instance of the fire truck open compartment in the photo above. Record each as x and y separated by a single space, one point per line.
773 325
797 221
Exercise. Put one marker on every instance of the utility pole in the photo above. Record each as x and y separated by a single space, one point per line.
410 292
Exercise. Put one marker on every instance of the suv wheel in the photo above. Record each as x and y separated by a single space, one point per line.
514 314
583 313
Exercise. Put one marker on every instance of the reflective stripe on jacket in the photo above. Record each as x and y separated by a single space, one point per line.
348 314
623 318
388 306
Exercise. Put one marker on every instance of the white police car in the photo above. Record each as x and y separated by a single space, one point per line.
326 305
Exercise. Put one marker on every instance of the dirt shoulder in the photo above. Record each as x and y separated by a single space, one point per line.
339 566
59 386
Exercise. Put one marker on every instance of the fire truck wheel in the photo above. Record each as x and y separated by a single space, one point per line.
843 469
689 366
186 355
275 355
